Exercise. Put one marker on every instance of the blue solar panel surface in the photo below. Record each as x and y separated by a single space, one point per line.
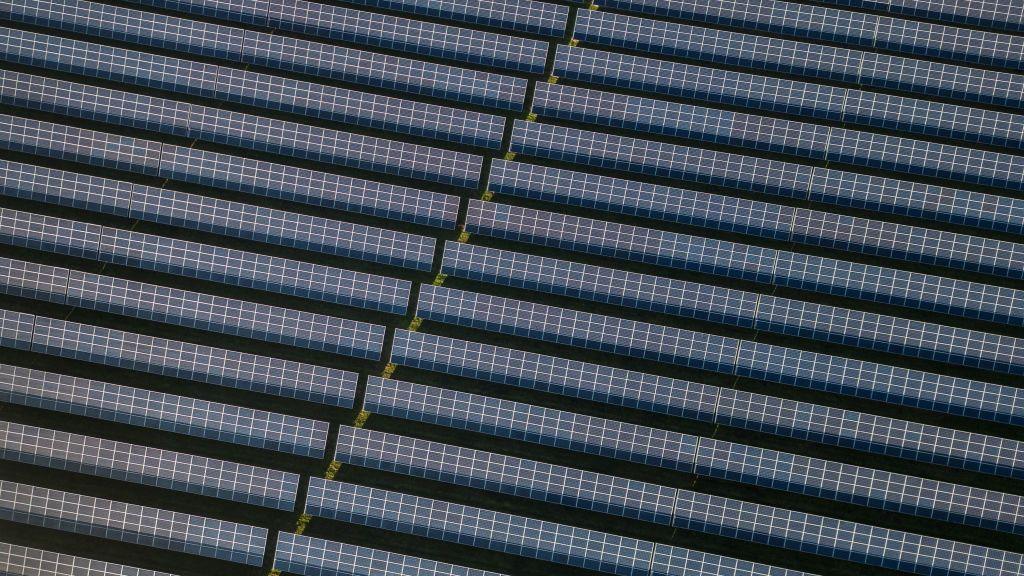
530 287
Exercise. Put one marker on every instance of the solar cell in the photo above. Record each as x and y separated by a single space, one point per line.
717 459
806 100
305 556
505 474
526 16
663 395
376 31
753 263
233 173
167 412
216 366
895 154
121 521
801 59
869 31
149 466
528 423
273 51
225 217
238 129
24 561
722 305
755 218
985 13
251 88
743 358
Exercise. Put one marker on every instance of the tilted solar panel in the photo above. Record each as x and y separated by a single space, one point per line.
251 88
647 502
273 51
506 474
223 265
659 394
761 176
235 173
24 561
766 134
749 262
145 525
217 216
526 16
217 366
722 305
305 556
745 358
32 280
218 126
715 458
375 31
160 411
805 100
148 466
985 13
802 59
818 23
761 219
559 543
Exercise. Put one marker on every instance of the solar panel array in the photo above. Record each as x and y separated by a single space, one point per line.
520 287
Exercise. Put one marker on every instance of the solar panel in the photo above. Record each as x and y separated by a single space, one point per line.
506 474
121 521
251 88
273 51
773 135
673 561
764 414
207 364
526 16
800 59
755 175
302 141
167 412
234 173
940 501
716 459
756 218
651 503
377 31
806 100
226 266
305 556
528 423
24 561
482 528
16 329
818 23
984 13
149 466
724 305
218 216
31 280
744 358
215 313
747 262
556 375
